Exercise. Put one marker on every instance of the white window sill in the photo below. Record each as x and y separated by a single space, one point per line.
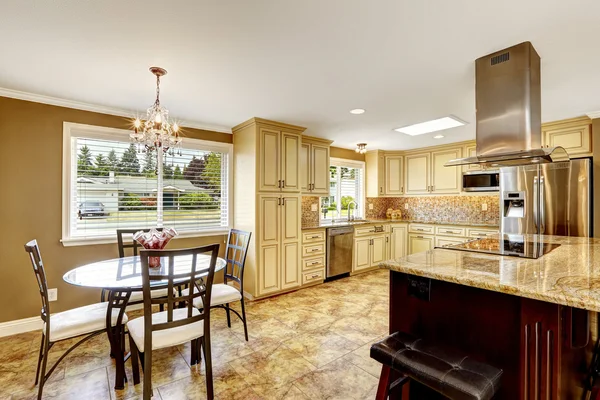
87 241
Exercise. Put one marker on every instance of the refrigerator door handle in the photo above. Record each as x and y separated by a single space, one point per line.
542 206
536 203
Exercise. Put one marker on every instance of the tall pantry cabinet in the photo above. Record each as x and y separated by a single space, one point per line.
267 202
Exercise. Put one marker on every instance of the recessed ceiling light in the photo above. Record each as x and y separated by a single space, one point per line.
438 136
357 111
431 126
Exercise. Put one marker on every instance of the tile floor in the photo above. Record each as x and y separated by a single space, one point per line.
309 344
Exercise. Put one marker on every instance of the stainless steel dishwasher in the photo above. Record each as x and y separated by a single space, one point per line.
340 241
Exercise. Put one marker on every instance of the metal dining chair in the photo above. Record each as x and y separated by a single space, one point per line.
173 326
125 241
223 293
85 322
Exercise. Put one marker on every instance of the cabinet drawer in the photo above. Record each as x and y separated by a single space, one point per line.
313 249
313 277
371 230
481 233
312 263
418 228
313 236
441 241
449 231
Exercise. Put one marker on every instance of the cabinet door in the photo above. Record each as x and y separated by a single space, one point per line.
268 159
445 179
471 151
398 242
419 243
362 254
320 169
290 265
269 280
575 138
394 175
291 218
290 162
378 250
417 173
305 173
269 219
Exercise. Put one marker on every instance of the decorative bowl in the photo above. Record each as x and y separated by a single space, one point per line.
154 240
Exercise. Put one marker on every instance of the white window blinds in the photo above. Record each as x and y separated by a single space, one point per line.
113 184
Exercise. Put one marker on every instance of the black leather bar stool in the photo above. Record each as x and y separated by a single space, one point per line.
445 370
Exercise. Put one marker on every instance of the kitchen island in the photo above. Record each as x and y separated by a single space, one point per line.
530 317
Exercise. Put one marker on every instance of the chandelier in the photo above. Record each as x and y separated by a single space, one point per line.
156 132
361 148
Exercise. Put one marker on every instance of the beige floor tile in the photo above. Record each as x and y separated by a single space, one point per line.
321 347
360 329
361 357
305 320
89 385
338 380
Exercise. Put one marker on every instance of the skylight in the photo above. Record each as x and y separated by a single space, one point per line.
434 125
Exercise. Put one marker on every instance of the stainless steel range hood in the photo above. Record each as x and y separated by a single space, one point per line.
508 102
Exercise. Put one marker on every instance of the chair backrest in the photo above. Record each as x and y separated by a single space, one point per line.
202 286
131 244
235 255
33 250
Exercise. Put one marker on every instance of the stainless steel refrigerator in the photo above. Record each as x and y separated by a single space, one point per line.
549 199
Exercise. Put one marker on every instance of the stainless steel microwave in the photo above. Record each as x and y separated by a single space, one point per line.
481 181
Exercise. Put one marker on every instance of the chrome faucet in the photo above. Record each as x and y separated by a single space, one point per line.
351 216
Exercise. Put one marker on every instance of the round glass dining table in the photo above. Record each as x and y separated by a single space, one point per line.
125 275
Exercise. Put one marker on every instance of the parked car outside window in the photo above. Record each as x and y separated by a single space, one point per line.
91 209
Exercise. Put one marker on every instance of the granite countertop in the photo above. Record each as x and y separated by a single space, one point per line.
396 221
567 275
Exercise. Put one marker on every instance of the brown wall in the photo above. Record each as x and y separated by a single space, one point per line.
30 205
338 152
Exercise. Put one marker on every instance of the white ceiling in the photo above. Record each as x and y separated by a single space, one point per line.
303 62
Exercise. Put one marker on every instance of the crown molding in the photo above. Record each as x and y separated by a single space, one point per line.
594 114
56 101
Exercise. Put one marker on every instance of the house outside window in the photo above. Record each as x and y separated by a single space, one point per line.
110 183
346 185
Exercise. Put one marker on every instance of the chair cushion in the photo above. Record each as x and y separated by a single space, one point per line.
445 370
137 297
166 337
221 294
82 320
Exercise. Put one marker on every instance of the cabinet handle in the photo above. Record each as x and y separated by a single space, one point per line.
387 239
279 184
315 263
402 189
380 189
432 188
279 201
450 232
315 237
420 237
314 276
283 183
313 250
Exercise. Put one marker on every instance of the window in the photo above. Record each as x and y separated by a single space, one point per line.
110 183
346 185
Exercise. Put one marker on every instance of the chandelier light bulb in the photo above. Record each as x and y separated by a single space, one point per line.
175 127
357 150
137 123
361 148
158 119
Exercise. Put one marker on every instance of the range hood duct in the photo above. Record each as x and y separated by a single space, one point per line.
508 102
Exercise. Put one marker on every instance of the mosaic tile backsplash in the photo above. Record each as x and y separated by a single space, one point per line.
310 218
438 208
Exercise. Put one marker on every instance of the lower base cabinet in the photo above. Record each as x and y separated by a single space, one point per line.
370 250
419 243
441 241
398 241
362 254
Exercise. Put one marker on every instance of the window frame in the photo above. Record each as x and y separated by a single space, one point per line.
344 162
69 158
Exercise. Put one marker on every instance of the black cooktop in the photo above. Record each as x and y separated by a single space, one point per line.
507 245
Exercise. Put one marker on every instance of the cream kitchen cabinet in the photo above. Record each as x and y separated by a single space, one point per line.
394 175
418 243
314 163
371 246
279 159
574 135
426 173
398 241
279 241
471 151
313 256
375 173
417 173
441 241
267 202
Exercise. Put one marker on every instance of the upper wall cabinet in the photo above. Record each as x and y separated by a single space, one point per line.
375 166
426 173
314 166
471 151
394 175
575 135
279 160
